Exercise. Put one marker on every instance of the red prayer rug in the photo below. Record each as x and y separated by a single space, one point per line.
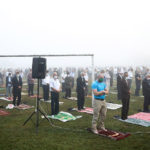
112 134
3 113
23 106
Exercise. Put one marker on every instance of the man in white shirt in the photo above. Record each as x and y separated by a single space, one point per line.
130 76
63 76
55 89
45 85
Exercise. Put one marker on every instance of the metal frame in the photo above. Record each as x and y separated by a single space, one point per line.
59 55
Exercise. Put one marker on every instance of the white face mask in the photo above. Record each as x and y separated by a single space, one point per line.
55 77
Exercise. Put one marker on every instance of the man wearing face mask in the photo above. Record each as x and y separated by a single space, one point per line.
80 91
146 92
125 96
9 85
17 87
55 89
99 104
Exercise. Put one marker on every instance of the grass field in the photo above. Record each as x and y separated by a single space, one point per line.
14 136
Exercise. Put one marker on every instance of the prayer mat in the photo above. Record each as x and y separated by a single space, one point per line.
142 96
35 96
49 101
112 134
113 92
87 110
63 116
89 96
4 113
113 106
142 116
135 121
10 99
23 93
23 106
1 89
72 98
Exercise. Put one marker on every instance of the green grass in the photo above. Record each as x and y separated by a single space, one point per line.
14 136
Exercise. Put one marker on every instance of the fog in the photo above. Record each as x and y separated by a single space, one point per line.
116 32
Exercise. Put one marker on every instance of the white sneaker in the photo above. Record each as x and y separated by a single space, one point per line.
95 131
102 128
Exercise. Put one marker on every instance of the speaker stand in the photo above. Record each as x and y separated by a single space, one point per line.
37 110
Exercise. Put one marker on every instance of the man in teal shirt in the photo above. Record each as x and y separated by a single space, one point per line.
99 105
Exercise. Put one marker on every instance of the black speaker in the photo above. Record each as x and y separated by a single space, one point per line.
39 68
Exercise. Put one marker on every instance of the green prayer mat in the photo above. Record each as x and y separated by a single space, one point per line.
64 116
1 89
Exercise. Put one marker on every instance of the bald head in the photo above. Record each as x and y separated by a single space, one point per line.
55 74
100 76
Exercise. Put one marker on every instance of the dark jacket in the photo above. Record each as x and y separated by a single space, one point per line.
119 79
68 82
125 90
8 83
80 85
146 87
30 80
16 83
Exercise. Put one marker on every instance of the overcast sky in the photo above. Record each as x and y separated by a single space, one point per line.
116 31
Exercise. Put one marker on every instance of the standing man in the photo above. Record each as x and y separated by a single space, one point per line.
30 83
125 94
107 78
99 104
86 82
119 79
146 92
111 76
130 76
80 91
138 80
68 85
63 76
55 89
45 85
17 87
8 85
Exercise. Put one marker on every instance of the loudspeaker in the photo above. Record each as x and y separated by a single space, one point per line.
39 68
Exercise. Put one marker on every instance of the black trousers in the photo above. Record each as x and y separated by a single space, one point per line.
63 87
86 90
137 90
80 100
125 107
16 94
119 93
46 92
54 103
146 103
68 92
30 89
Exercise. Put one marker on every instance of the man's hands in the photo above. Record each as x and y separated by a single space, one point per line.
100 93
